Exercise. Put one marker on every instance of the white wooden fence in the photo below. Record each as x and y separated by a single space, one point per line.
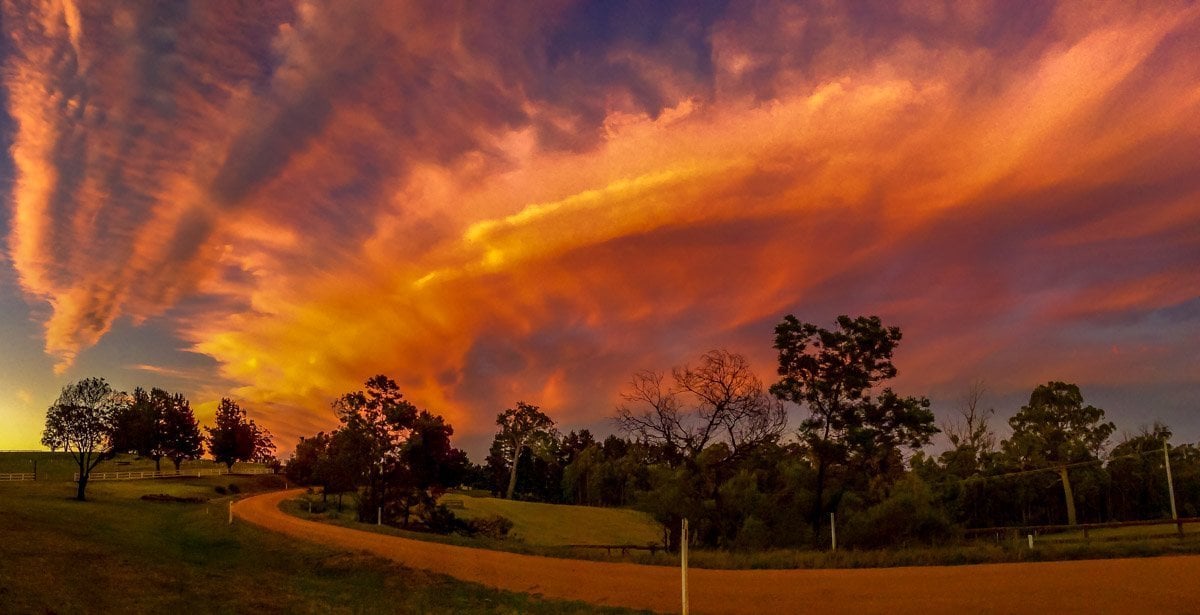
15 476
142 475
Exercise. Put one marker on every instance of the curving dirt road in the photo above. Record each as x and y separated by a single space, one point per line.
1148 585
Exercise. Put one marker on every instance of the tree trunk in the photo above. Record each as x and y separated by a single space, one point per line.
157 464
818 507
82 486
177 461
1069 495
674 533
512 475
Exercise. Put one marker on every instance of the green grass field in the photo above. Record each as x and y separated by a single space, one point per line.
117 553
560 524
61 467
1137 532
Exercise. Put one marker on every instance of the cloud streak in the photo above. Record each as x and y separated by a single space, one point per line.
533 203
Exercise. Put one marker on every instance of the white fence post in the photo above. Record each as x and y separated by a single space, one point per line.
1030 536
231 512
683 563
379 516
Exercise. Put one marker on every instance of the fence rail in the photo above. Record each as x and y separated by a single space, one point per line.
16 476
185 473
624 549
1000 532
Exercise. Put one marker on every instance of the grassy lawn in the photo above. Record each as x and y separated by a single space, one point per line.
1138 532
560 524
118 553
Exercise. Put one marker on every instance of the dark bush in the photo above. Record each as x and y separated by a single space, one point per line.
491 526
163 497
441 520
234 488
219 489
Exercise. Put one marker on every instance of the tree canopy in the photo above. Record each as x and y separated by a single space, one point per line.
158 424
1056 430
522 427
81 422
234 437
831 373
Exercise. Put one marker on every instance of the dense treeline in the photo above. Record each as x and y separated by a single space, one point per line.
710 442
704 442
766 497
394 457
94 422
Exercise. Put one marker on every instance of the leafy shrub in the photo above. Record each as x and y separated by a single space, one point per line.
753 535
219 489
234 488
908 515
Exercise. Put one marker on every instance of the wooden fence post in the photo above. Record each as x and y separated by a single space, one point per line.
833 531
683 563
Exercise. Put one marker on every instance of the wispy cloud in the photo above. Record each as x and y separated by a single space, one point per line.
532 203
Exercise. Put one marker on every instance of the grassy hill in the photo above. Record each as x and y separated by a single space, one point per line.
560 524
118 553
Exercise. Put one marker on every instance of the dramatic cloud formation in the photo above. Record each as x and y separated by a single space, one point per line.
531 202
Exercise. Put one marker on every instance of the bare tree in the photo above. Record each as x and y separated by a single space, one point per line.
969 430
728 404
652 411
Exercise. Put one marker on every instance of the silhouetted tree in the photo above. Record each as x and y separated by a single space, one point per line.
138 427
1056 430
81 423
969 433
181 439
522 427
727 404
425 464
236 438
301 467
376 420
1139 475
831 373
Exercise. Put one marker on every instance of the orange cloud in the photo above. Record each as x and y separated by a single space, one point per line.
486 213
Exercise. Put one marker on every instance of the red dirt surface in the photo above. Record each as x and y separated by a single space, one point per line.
1146 585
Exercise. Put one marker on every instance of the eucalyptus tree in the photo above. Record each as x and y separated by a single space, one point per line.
832 373
1055 431
522 427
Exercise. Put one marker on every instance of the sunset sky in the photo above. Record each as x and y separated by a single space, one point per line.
275 200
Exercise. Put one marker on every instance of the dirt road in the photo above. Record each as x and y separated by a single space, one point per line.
1149 585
